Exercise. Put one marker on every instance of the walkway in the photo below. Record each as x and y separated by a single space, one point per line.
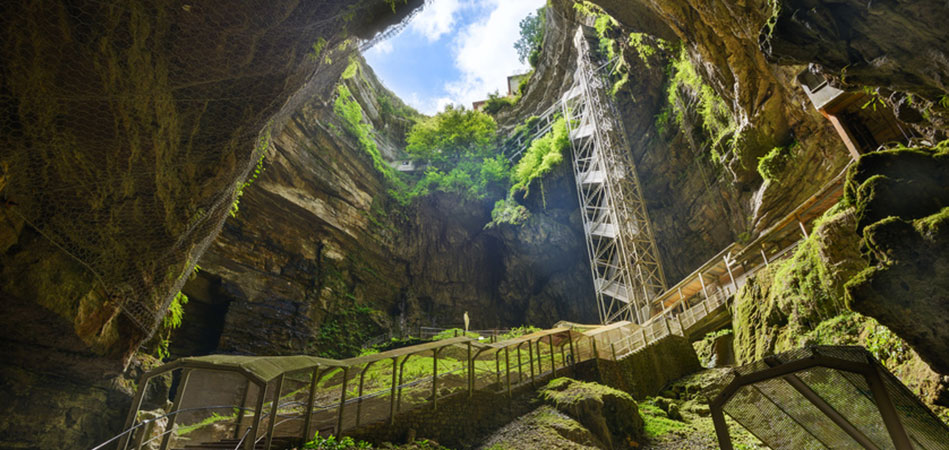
257 402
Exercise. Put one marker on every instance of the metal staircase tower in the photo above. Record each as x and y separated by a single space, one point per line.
627 273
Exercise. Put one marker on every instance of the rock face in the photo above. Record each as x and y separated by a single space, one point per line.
899 45
126 134
610 415
320 257
901 198
698 204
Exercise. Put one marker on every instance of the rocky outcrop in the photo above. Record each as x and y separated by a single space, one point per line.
901 198
699 204
898 45
789 298
610 415
321 259
126 133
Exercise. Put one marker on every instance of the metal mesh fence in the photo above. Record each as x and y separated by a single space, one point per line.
826 399
128 127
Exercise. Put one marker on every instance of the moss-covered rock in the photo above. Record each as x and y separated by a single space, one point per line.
545 427
791 296
900 197
610 414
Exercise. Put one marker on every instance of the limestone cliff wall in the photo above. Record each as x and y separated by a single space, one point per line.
127 131
321 257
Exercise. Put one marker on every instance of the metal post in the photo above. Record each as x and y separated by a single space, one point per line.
395 386
540 359
274 409
497 365
133 411
803 229
702 280
310 399
728 267
434 379
764 256
828 410
179 397
520 370
668 328
553 361
721 428
573 355
240 412
398 402
613 348
470 368
362 378
249 444
596 354
530 357
507 368
681 328
887 411
342 402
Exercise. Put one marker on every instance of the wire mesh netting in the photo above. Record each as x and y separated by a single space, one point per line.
817 406
128 128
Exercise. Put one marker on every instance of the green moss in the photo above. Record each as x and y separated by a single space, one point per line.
508 211
638 42
657 421
496 103
772 165
687 88
789 297
541 157
317 48
351 70
343 332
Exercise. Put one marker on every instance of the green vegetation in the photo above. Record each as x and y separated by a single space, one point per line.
508 211
686 88
541 157
263 144
331 443
351 70
772 165
210 420
657 421
348 109
172 320
342 333
496 103
530 43
614 44
317 49
704 348
450 136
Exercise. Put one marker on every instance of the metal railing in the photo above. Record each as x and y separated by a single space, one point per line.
334 396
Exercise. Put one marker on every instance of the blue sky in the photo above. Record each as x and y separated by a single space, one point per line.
453 51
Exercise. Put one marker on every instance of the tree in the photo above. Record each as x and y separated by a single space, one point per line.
532 36
451 135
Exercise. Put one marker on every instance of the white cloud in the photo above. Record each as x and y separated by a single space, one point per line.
484 51
436 18
381 48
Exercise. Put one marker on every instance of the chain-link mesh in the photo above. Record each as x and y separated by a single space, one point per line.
780 413
128 127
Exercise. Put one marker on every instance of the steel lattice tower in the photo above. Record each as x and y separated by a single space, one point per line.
627 273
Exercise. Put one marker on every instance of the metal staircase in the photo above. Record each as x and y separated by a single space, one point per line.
627 273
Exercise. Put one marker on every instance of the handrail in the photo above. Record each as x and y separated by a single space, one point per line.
148 421
241 442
